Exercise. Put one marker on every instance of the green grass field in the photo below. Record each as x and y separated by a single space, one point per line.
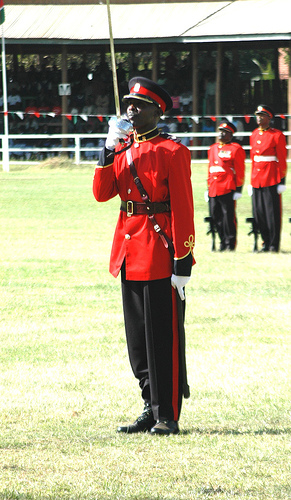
66 383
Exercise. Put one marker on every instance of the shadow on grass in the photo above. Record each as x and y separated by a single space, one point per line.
235 432
12 495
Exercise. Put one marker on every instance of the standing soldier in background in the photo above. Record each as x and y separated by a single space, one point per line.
269 167
153 180
226 172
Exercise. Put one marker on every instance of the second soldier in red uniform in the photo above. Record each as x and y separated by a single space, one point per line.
226 172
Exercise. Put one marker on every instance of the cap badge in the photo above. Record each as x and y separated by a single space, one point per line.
136 87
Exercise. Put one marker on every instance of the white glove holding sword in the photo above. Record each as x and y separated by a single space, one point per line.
119 130
179 282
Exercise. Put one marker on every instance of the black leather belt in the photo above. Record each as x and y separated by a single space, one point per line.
138 208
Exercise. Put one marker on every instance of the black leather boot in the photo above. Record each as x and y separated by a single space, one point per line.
143 423
165 427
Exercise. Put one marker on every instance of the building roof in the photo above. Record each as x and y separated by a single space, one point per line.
246 19
202 21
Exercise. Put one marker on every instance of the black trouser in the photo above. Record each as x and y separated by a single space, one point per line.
153 344
267 212
222 212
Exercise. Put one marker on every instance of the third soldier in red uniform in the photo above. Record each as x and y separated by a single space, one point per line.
269 167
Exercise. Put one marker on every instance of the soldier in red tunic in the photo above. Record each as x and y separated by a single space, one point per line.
269 168
156 215
226 172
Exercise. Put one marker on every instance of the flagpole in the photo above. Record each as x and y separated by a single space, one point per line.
5 141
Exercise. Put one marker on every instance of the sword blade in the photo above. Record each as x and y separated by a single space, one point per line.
113 62
182 345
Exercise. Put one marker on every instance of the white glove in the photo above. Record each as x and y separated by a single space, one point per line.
115 134
250 190
281 188
206 197
179 282
236 196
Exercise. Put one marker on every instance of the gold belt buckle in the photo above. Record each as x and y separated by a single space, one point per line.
129 208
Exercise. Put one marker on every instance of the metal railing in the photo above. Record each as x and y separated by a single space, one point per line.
85 148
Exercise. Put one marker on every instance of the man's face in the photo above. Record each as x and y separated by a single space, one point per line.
263 121
143 115
224 136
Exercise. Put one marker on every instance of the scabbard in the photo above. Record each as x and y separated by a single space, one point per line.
182 345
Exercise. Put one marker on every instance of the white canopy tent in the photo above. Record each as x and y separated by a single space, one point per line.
61 24
181 21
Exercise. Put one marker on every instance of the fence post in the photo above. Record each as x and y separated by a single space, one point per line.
77 150
5 153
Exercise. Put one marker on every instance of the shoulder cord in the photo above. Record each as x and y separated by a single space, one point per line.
145 198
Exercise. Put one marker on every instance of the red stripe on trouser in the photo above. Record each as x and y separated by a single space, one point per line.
235 222
175 358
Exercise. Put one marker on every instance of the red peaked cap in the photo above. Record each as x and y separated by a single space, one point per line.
229 127
263 109
149 91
